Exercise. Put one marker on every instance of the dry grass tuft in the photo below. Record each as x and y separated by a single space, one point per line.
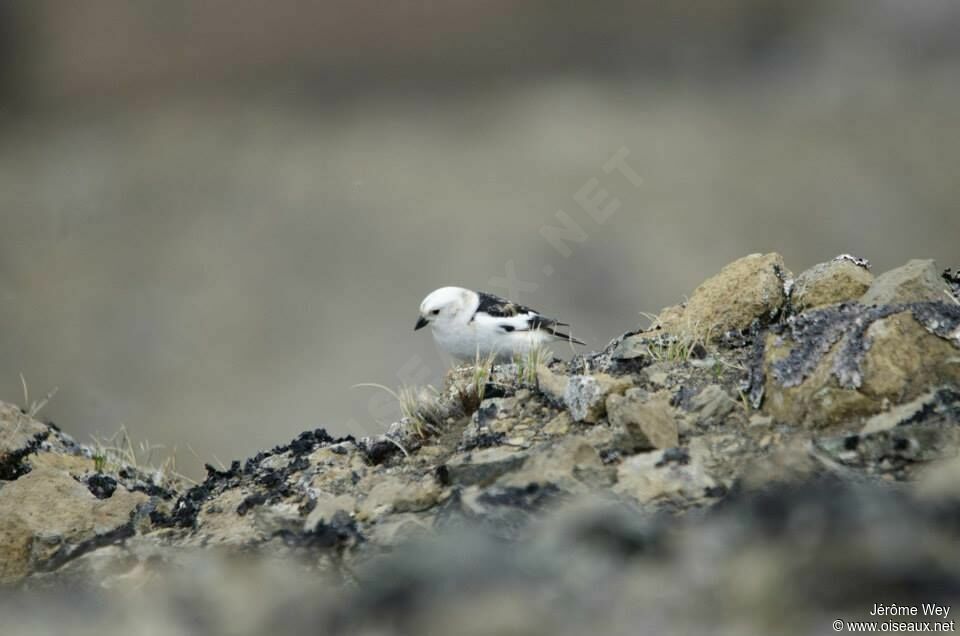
681 346
32 409
119 451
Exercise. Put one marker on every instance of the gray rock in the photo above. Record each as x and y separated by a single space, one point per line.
484 466
585 395
918 280
713 404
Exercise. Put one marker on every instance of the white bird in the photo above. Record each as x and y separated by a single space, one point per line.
467 324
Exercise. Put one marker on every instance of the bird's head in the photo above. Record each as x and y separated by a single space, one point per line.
445 305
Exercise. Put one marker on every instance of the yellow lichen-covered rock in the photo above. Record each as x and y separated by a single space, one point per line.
47 513
749 288
837 281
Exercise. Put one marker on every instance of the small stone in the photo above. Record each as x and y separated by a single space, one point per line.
391 495
503 425
657 374
713 404
646 423
585 396
560 425
760 420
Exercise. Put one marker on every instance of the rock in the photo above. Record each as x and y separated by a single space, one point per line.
326 507
896 442
918 280
398 496
905 359
756 419
837 281
483 466
507 508
670 475
559 425
553 385
585 395
336 471
893 453
20 435
279 519
226 520
839 366
573 465
788 464
47 518
747 289
901 414
646 423
399 529
952 278
712 405
657 375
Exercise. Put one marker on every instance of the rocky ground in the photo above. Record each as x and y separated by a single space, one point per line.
776 453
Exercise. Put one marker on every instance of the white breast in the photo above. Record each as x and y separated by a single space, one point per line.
466 341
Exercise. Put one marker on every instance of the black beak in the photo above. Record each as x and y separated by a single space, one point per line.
421 323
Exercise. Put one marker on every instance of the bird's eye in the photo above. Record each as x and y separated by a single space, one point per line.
435 312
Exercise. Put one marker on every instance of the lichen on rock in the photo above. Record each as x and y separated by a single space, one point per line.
840 363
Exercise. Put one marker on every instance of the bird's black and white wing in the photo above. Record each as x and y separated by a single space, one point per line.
509 316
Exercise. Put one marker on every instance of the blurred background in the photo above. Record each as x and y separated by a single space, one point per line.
218 217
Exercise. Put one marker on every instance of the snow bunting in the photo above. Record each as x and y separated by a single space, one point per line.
467 324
